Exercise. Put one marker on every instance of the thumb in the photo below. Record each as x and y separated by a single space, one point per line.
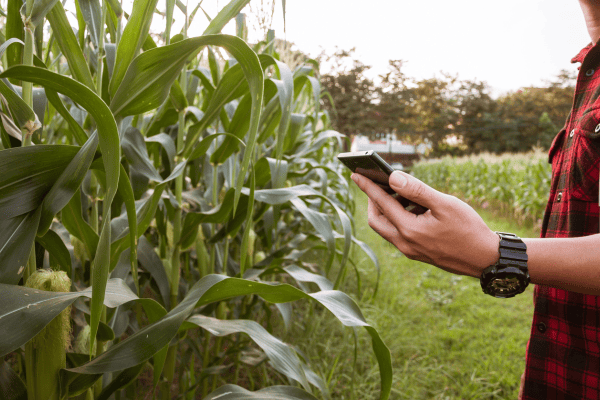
414 190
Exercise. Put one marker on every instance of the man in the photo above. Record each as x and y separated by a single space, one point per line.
563 353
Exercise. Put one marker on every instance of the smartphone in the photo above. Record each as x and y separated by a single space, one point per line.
370 164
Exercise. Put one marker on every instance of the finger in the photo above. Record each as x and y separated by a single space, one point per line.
387 205
380 224
371 189
413 189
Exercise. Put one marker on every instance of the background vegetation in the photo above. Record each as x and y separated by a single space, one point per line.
435 109
514 185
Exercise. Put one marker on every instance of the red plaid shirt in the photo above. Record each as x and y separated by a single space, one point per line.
563 353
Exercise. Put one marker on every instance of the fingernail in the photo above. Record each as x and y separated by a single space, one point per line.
354 177
398 180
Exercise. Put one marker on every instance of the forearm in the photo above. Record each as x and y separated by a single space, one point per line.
566 263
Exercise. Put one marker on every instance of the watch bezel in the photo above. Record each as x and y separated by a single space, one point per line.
493 273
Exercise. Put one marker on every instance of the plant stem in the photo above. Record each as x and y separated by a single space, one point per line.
176 255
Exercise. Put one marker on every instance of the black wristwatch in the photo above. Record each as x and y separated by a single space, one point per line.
509 276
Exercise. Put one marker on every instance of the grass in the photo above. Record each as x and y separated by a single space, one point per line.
448 340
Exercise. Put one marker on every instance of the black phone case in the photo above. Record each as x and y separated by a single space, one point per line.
370 164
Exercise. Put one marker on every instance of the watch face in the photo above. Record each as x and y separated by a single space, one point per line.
505 285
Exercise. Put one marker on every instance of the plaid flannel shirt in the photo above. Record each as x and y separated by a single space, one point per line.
563 353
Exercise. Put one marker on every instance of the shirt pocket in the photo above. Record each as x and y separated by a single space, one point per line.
583 156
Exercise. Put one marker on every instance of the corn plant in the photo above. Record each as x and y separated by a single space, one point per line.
185 195
516 185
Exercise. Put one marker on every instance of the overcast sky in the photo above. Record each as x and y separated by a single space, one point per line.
509 44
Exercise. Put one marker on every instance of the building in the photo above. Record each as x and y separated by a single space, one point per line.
399 155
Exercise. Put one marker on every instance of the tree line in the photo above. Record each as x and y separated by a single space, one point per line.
453 116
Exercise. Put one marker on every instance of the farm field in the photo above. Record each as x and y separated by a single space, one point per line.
513 184
448 340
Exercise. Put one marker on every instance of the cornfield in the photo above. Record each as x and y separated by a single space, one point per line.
518 185
161 205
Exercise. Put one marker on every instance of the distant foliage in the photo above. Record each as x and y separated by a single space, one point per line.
444 107
518 185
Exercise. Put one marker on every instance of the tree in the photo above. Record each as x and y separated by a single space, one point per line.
351 91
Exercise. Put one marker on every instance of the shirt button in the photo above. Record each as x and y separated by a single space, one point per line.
559 197
541 327
573 132
597 129
589 72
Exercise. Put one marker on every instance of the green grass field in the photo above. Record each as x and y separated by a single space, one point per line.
448 340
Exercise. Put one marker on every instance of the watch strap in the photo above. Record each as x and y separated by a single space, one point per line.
513 252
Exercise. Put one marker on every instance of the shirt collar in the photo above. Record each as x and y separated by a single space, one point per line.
579 57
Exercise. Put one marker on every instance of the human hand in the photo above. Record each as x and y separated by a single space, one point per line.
450 235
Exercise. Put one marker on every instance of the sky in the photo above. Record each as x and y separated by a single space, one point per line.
509 44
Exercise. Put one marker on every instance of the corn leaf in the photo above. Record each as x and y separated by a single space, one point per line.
67 183
226 14
212 288
64 36
73 220
55 246
39 10
282 357
11 385
134 35
24 115
90 10
111 155
25 311
14 29
16 238
28 173
234 392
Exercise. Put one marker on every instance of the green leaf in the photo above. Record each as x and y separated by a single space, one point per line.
320 221
122 380
64 36
131 42
24 115
282 357
10 41
302 275
145 213
226 14
218 214
134 148
177 97
76 129
245 237
167 143
205 143
73 220
111 156
11 385
16 238
39 10
365 247
25 311
67 183
234 392
14 29
28 173
152 263
150 75
90 9
140 346
57 249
